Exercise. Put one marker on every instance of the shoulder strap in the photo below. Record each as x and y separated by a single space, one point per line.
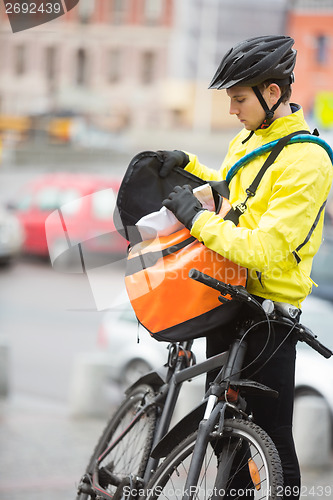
277 148
271 159
266 148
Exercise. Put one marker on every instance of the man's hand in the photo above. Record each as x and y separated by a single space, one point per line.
183 204
172 159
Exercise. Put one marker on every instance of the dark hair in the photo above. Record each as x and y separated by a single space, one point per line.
286 90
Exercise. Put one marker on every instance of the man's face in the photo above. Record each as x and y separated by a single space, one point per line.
246 106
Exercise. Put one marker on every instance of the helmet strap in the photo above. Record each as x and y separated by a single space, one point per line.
269 112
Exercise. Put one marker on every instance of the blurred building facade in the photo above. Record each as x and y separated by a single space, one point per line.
146 64
103 60
310 23
203 31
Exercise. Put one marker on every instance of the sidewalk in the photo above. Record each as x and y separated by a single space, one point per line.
44 451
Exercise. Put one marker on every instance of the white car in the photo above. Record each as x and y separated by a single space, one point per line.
314 374
132 351
128 359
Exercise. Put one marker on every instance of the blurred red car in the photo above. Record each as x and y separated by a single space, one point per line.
58 211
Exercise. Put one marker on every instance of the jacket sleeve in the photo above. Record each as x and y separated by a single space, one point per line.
200 170
294 202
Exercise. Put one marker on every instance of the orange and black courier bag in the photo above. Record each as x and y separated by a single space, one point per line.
170 305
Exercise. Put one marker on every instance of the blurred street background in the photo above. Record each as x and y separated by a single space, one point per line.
79 97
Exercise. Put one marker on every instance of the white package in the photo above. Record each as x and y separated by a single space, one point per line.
164 222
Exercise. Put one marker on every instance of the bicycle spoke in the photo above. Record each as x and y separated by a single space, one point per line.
244 462
124 447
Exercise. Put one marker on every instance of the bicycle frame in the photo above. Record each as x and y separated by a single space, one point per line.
208 417
205 415
168 386
178 377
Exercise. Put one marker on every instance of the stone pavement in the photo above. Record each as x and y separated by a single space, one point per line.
43 452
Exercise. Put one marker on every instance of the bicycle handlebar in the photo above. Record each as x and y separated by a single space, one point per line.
241 294
307 336
236 292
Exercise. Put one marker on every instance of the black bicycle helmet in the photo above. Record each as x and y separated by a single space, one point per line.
256 60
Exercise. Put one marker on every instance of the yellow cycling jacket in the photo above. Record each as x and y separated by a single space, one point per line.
278 218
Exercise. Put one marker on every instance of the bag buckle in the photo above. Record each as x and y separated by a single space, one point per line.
241 207
249 193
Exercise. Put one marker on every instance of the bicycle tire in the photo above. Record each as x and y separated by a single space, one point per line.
254 447
130 454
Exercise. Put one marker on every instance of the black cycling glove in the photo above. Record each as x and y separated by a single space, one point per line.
172 159
183 204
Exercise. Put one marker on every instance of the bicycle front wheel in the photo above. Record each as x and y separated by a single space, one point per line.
124 447
245 451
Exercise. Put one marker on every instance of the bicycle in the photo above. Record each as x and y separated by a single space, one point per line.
213 449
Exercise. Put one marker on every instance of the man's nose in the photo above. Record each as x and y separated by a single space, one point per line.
233 109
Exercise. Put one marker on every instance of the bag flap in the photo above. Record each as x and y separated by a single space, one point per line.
142 191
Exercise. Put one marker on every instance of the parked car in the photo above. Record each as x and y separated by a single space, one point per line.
60 210
314 374
11 237
132 351
128 359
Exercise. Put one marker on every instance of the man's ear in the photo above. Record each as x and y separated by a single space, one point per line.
274 93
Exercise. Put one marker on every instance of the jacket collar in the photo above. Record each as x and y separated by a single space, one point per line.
284 125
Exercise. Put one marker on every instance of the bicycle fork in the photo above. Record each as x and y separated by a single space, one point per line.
206 427
215 412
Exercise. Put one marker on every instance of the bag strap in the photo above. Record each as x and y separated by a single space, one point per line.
149 259
221 190
266 148
271 159
251 190
220 187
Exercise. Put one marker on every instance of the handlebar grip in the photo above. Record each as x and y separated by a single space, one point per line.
309 338
324 351
236 292
196 275
317 346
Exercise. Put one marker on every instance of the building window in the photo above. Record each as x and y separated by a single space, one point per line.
20 60
148 63
50 63
81 67
153 11
321 49
119 10
86 9
114 63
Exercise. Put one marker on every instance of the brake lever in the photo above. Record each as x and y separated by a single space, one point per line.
239 293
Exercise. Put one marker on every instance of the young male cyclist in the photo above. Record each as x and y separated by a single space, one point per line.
280 231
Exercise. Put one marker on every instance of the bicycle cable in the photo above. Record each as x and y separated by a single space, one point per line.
278 347
269 321
260 354
242 340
